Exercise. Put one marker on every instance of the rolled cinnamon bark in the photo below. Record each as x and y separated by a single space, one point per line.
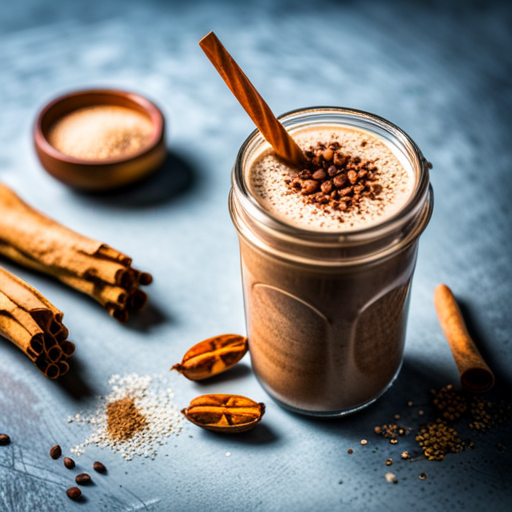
34 325
475 375
34 240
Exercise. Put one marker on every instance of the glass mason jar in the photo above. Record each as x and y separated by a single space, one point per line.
326 311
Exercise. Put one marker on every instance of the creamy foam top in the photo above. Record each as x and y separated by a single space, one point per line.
267 182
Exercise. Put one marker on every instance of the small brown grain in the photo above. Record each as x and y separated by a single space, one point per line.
74 493
99 467
55 452
83 479
69 463
4 440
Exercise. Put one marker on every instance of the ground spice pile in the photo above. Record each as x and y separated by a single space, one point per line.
335 180
124 419
134 419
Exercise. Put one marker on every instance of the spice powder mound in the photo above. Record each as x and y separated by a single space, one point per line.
124 419
133 419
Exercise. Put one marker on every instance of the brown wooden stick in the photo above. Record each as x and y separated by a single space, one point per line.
475 375
250 99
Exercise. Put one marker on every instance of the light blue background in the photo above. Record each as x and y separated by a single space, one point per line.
440 70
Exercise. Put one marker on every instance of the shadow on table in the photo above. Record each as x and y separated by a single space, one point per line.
413 384
240 371
73 383
261 434
483 342
174 178
151 316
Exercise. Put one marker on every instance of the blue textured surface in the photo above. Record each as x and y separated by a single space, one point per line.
441 71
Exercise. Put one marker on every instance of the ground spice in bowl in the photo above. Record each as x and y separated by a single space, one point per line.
101 132
100 139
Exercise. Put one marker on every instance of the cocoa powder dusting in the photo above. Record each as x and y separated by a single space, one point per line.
124 419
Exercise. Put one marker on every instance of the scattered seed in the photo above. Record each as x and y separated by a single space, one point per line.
397 416
393 441
421 413
422 476
99 467
4 440
55 452
350 451
410 403
83 479
74 493
389 462
391 478
69 463
405 455
364 442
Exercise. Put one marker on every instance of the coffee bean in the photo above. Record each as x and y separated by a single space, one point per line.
339 180
55 452
376 188
333 170
326 187
69 463
339 159
309 186
99 467
362 173
4 440
83 479
319 175
345 191
74 493
305 174
327 154
352 176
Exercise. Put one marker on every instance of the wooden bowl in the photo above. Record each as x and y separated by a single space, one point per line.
101 174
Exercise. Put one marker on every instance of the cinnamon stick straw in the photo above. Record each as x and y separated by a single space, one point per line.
35 241
250 99
34 325
475 375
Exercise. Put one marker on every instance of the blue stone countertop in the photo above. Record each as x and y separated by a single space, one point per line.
442 71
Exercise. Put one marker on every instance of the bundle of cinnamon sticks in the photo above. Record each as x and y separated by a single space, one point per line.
34 240
34 325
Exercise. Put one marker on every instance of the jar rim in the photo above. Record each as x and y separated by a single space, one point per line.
293 118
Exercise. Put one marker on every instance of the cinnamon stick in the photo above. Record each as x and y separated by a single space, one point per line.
32 239
34 325
475 375
252 102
